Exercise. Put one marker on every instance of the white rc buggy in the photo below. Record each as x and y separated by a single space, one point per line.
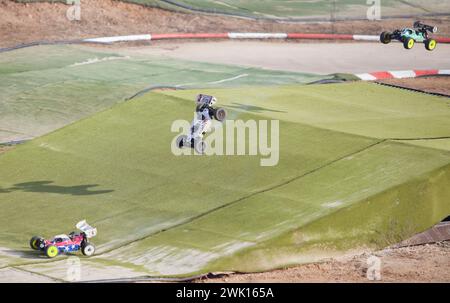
204 113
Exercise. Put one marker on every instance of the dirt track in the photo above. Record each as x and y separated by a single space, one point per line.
24 23
321 58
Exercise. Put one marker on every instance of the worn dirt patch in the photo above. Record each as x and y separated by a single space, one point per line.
27 22
439 84
424 263
4 148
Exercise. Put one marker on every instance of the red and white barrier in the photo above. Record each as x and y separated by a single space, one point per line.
401 74
241 36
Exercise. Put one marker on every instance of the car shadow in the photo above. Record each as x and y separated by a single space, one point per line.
28 254
3 190
33 254
49 187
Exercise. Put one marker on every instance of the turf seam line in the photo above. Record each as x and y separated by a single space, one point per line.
190 220
218 208
149 89
416 139
37 273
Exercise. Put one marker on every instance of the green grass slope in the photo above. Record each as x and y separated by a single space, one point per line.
44 88
337 186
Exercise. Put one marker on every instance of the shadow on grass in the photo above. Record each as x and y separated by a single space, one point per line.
48 187
3 190
252 108
28 254
35 254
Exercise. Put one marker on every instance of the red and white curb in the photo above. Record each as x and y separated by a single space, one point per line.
401 74
148 37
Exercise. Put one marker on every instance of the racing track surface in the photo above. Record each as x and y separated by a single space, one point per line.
361 165
319 58
47 87
61 84
354 173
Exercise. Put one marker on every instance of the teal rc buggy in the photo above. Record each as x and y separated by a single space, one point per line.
409 36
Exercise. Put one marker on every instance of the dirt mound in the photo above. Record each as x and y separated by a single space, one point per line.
424 263
27 22
439 85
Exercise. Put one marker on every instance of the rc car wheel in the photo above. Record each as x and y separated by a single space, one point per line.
88 249
220 114
200 146
51 251
408 43
34 242
385 37
181 141
430 44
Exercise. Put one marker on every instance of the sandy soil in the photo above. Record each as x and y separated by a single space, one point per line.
429 84
424 263
22 23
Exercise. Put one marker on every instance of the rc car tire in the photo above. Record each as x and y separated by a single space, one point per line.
220 114
200 146
385 37
181 140
34 242
430 44
88 249
51 251
408 43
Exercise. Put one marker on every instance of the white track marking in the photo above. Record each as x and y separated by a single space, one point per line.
366 38
97 60
257 35
214 82
228 79
403 74
366 77
119 38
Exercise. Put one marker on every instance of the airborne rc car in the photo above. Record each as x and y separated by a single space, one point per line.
73 242
409 36
204 113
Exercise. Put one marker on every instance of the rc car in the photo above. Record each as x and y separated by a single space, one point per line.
204 113
409 36
73 242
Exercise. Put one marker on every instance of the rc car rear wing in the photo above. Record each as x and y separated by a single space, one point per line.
420 25
87 229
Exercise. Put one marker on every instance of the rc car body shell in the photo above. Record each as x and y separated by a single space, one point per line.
63 243
201 124
413 34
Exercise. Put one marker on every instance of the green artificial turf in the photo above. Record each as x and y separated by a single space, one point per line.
340 183
44 88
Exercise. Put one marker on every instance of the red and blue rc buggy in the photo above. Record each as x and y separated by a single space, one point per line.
73 242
